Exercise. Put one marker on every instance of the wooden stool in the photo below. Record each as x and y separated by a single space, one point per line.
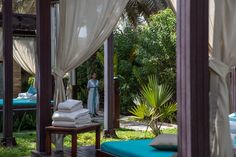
73 132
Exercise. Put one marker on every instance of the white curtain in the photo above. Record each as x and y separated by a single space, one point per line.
222 51
173 4
211 18
223 57
84 25
24 50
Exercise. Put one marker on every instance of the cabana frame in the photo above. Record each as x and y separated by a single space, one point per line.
22 24
8 139
193 78
43 70
192 75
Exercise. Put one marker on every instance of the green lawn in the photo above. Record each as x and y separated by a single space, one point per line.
26 141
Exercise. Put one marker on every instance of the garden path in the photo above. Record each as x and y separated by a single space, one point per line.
127 124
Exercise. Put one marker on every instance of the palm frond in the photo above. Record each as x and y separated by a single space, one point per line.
153 106
141 110
139 11
164 95
168 110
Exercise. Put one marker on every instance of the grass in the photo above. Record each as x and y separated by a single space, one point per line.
27 141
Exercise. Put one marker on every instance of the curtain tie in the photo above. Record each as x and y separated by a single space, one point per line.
219 67
58 72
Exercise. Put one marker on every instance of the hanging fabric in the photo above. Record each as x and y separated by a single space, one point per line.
223 58
84 26
24 50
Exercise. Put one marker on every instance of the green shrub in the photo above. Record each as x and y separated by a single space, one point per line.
153 105
22 121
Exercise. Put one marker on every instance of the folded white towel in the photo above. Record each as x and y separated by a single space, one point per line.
34 97
73 109
24 95
71 117
70 105
70 124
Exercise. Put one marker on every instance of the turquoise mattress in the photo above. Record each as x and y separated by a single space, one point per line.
134 148
21 102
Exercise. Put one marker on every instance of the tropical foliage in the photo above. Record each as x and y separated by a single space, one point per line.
138 11
153 105
157 48
147 50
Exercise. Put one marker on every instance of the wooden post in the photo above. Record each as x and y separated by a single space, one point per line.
8 139
108 88
116 103
233 89
193 78
43 70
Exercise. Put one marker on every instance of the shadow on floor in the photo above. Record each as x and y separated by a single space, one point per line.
88 151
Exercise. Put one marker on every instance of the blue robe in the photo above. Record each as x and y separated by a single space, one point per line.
93 96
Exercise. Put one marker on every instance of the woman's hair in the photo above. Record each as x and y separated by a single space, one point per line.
91 75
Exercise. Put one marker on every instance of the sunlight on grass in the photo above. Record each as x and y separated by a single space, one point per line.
26 143
27 140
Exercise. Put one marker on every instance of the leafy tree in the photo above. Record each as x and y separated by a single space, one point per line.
125 46
153 105
156 50
138 11
147 50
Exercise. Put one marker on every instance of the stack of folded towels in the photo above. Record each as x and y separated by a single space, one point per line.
30 94
71 114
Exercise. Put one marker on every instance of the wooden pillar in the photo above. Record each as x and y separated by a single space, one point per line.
116 111
108 88
233 89
43 70
193 78
8 139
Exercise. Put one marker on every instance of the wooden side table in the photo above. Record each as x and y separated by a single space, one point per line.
73 132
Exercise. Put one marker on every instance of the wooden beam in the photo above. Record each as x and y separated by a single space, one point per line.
108 88
193 78
43 70
22 24
8 139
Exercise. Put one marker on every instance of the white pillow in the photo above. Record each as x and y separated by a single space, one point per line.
165 142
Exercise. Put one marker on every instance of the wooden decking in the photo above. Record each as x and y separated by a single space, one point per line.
88 151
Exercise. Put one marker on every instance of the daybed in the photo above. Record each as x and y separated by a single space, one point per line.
131 148
21 104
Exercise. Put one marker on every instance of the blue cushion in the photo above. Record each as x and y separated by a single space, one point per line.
21 102
134 148
32 90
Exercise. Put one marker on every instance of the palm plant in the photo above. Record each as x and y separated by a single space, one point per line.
153 105
138 11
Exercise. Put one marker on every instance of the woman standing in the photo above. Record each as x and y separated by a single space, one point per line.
93 95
